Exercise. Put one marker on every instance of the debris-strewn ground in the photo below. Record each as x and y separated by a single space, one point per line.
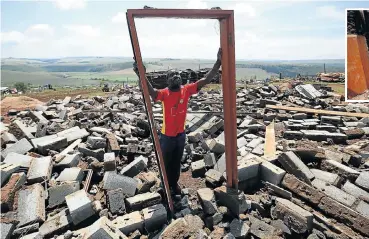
84 167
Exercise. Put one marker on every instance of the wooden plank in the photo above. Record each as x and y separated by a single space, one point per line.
319 112
270 146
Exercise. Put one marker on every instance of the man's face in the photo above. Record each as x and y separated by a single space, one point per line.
174 81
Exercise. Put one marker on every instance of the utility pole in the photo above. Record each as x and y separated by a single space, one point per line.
324 69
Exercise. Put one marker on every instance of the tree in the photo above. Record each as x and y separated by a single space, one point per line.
20 86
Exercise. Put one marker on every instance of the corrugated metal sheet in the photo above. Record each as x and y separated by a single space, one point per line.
308 91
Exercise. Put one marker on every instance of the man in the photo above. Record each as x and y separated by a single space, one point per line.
174 99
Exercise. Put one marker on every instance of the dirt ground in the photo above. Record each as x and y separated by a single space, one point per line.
193 184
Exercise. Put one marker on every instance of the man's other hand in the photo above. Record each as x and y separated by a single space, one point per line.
219 55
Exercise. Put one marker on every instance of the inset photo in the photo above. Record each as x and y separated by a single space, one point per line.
357 55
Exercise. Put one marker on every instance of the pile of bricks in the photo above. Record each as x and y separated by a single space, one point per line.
68 172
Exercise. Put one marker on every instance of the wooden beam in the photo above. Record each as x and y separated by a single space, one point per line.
319 112
270 146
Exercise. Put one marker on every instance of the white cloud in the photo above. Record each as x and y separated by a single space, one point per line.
39 30
244 9
196 4
330 12
12 37
84 30
119 17
70 4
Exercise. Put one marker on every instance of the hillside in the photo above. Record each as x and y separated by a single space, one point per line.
93 70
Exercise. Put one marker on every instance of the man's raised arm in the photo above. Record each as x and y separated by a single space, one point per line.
208 77
152 91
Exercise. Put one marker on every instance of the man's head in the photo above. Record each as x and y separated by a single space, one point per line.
174 81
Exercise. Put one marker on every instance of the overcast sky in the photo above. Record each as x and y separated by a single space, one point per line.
264 30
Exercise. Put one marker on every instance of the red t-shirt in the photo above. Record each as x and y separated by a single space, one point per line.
175 108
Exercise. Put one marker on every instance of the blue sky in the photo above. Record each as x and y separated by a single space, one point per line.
265 30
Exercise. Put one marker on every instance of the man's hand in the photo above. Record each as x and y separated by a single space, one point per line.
135 67
219 55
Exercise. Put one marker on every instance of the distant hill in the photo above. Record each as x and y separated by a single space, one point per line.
93 69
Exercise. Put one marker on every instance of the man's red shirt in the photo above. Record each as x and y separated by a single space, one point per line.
175 108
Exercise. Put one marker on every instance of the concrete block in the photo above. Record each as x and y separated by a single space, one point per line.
31 205
7 230
143 200
37 116
363 208
295 217
70 160
255 142
26 230
291 134
73 134
109 162
214 177
103 228
115 199
24 130
344 214
21 147
55 224
96 142
135 167
233 199
239 228
113 181
58 193
247 169
71 174
274 189
320 135
129 222
363 181
355 190
39 170
80 206
97 153
305 191
154 217
293 164
198 168
271 173
241 142
7 138
259 150
52 144
210 160
261 229
146 181
178 228
6 170
194 137
213 220
207 200
113 145
340 169
334 192
331 155
216 146
328 177
220 166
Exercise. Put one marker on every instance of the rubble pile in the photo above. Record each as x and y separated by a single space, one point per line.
71 171
158 79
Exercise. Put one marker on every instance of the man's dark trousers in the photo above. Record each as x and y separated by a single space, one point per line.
172 149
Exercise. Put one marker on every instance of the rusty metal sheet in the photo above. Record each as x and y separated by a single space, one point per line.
357 66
